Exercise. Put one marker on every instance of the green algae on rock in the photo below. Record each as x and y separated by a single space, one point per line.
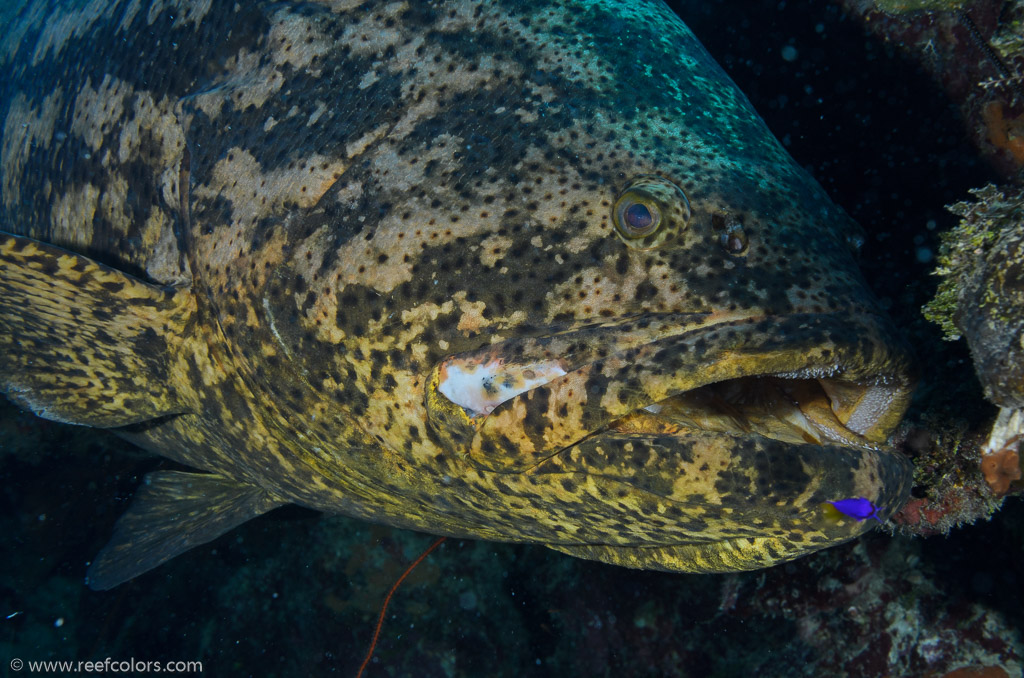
1008 40
981 295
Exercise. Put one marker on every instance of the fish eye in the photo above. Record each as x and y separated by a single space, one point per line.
649 212
638 219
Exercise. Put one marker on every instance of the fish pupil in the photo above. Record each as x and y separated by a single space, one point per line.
638 217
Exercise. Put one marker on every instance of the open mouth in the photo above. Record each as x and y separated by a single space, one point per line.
517 402
790 410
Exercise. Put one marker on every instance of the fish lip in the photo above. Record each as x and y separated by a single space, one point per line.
661 357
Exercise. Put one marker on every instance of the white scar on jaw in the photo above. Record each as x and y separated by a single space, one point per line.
480 387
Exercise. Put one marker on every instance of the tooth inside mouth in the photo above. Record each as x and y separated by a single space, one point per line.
790 410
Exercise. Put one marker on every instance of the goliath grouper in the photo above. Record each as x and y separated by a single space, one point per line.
522 271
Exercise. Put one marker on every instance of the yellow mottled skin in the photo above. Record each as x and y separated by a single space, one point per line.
281 221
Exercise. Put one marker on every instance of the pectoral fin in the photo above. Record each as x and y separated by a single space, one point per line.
83 343
173 512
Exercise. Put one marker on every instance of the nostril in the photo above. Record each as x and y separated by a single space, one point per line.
732 236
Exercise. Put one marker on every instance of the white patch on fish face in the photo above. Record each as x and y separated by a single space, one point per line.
480 387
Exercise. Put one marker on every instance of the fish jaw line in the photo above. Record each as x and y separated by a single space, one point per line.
642 377
480 381
465 389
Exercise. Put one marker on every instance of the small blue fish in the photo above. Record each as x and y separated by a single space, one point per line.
857 508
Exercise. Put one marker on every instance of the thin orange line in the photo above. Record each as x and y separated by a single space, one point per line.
387 599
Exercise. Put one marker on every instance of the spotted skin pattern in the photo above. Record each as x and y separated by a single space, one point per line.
343 195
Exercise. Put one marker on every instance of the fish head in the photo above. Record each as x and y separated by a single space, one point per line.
699 378
576 292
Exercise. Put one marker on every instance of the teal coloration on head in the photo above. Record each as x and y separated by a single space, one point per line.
519 271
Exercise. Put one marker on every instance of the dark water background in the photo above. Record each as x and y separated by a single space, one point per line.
291 594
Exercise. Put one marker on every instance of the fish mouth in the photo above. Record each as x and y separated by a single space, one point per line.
702 443
797 379
787 408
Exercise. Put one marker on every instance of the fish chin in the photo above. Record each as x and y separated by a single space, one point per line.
698 496
731 555
727 502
